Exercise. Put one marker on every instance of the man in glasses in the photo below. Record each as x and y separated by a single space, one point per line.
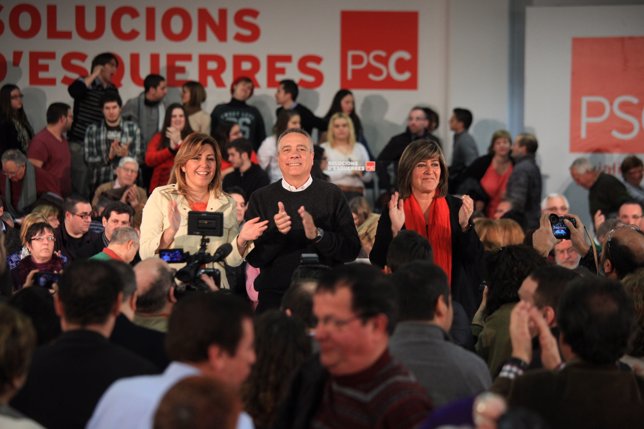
354 382
21 183
73 237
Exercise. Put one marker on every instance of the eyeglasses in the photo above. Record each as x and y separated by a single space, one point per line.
49 238
17 97
11 174
83 216
129 170
334 322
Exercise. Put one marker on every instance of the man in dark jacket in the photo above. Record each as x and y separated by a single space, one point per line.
524 185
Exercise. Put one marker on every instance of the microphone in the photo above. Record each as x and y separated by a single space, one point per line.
221 252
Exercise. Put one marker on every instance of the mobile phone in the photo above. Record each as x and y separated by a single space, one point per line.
46 279
559 228
172 255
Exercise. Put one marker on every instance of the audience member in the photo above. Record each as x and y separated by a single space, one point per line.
306 216
49 149
346 157
209 334
67 377
16 256
344 102
37 303
148 108
634 287
366 222
465 150
524 186
15 130
22 183
298 299
42 259
354 382
73 238
286 98
555 203
267 152
10 230
237 110
623 252
595 317
164 145
124 189
88 93
115 215
145 342
421 341
246 175
416 129
155 288
282 344
107 141
486 178
605 192
123 245
506 270
193 95
566 255
17 344
198 402
406 247
630 213
632 170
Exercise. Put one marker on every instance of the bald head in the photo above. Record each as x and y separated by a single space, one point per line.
623 252
153 283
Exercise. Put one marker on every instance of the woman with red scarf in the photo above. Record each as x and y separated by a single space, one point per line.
422 205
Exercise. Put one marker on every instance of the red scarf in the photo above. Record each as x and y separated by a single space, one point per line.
438 229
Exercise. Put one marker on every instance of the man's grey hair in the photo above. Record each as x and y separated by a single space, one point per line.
582 165
544 202
124 234
127 160
14 155
295 131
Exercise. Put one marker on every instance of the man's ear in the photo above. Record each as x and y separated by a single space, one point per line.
131 302
215 358
607 266
442 307
171 297
549 315
380 322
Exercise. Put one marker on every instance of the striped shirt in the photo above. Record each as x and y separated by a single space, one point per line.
87 106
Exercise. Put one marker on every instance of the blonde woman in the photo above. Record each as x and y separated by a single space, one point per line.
347 158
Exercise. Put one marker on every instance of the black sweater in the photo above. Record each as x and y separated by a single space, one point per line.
277 255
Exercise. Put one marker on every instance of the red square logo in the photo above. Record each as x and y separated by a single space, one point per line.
379 50
607 95
370 166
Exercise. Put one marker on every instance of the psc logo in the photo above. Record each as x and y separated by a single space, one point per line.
379 50
607 95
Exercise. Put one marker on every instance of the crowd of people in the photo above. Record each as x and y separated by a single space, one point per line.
165 267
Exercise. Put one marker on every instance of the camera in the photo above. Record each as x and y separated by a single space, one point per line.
45 279
204 224
559 228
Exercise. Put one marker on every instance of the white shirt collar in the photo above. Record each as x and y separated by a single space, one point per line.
291 188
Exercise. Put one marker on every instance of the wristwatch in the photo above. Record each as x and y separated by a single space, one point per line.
319 235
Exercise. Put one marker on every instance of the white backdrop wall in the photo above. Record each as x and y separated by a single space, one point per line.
549 40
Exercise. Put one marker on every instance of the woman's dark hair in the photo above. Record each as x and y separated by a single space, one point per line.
220 133
167 121
281 345
506 270
197 96
281 124
36 229
7 113
418 151
336 107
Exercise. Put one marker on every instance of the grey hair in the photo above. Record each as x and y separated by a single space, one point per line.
544 202
14 155
124 234
582 165
295 131
126 160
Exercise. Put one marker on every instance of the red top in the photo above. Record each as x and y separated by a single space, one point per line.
161 161
495 184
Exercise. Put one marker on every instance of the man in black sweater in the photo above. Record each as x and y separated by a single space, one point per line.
246 116
306 216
